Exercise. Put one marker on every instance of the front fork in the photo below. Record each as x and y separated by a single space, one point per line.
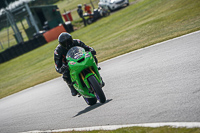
87 76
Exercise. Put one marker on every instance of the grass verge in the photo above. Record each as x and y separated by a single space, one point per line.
131 28
165 129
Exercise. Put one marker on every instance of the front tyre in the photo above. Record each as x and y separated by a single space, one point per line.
97 89
90 101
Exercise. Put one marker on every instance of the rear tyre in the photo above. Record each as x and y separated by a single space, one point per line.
89 21
97 89
127 3
90 101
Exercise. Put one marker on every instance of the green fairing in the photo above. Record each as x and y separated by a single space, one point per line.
77 66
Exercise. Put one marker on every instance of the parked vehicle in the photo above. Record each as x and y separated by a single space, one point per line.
97 14
85 75
113 4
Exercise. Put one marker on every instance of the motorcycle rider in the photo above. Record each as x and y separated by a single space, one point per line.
65 43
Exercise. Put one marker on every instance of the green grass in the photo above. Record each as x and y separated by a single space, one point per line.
165 129
70 5
142 24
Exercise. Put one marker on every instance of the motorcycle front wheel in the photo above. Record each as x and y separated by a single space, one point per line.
90 101
97 89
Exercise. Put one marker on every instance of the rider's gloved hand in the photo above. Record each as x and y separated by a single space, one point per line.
63 68
93 51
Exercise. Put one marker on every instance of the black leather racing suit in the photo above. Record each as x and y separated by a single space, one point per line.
60 58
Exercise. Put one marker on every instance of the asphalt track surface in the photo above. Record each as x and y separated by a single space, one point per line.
160 83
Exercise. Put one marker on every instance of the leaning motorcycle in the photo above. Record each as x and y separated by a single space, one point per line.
85 75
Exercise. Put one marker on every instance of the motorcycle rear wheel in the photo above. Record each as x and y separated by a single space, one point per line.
89 21
90 101
97 89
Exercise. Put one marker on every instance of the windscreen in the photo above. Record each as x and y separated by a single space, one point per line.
75 52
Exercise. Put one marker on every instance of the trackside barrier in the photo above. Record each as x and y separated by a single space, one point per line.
53 34
22 48
68 27
38 41
1 58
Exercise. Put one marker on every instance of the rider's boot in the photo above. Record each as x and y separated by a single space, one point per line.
69 83
73 90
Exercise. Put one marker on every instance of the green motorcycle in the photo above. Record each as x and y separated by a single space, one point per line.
85 75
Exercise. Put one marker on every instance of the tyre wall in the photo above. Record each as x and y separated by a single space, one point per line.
38 41
22 48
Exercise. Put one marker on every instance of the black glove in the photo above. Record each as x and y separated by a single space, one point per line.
93 51
63 68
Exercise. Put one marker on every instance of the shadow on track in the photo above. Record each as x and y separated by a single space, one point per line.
91 108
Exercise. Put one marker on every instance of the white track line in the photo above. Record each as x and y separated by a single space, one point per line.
114 127
196 32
